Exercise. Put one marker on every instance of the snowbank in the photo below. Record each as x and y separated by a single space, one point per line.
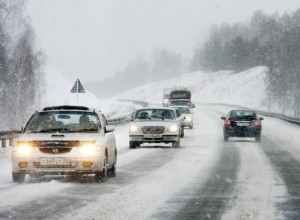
245 88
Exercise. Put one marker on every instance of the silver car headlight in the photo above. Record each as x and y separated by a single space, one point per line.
24 148
134 129
188 118
173 129
89 149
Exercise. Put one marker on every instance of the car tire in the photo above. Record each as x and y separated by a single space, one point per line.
226 137
112 171
101 176
182 132
257 138
176 144
18 177
133 144
191 127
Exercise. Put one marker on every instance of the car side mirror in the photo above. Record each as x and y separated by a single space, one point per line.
109 128
193 106
223 118
261 118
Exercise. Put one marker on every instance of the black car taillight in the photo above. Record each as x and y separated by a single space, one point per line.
228 122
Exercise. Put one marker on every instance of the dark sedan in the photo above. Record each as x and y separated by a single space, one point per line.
242 123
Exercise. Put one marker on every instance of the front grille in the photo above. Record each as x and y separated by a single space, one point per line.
55 150
55 146
58 143
153 129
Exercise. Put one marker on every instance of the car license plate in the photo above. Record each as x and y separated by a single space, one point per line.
152 136
55 161
242 124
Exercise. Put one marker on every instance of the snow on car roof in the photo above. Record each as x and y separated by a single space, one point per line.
69 107
162 108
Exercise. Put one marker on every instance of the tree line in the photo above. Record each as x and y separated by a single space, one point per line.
20 65
266 40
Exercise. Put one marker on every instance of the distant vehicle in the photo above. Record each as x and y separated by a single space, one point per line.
187 113
166 97
65 140
181 97
242 123
156 125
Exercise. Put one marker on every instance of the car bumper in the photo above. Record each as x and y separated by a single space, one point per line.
187 124
154 138
242 132
87 165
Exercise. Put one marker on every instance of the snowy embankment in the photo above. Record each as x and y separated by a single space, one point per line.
245 88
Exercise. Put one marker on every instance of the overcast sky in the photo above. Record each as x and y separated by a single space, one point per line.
91 39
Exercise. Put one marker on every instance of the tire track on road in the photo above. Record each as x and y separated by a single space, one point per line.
208 200
289 170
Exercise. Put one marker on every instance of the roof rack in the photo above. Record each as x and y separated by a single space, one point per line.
65 107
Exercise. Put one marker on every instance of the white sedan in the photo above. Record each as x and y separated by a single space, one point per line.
156 125
65 140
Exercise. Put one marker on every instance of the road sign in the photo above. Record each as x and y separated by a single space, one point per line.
77 88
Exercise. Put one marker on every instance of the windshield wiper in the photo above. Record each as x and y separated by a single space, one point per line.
85 130
52 130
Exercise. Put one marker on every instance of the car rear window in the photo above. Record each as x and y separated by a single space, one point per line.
242 114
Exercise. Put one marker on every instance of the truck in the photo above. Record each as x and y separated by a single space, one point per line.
181 97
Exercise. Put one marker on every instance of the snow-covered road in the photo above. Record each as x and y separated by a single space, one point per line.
204 179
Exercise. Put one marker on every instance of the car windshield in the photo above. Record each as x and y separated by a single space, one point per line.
181 102
63 121
242 114
184 110
155 114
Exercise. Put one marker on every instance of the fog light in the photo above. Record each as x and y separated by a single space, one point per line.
23 164
87 164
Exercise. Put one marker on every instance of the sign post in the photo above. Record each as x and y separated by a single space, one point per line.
77 88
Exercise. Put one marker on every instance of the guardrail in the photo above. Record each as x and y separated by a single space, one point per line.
7 136
119 120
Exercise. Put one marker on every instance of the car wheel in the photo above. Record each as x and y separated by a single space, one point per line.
257 138
226 137
176 144
112 171
18 177
191 127
102 175
182 132
133 144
